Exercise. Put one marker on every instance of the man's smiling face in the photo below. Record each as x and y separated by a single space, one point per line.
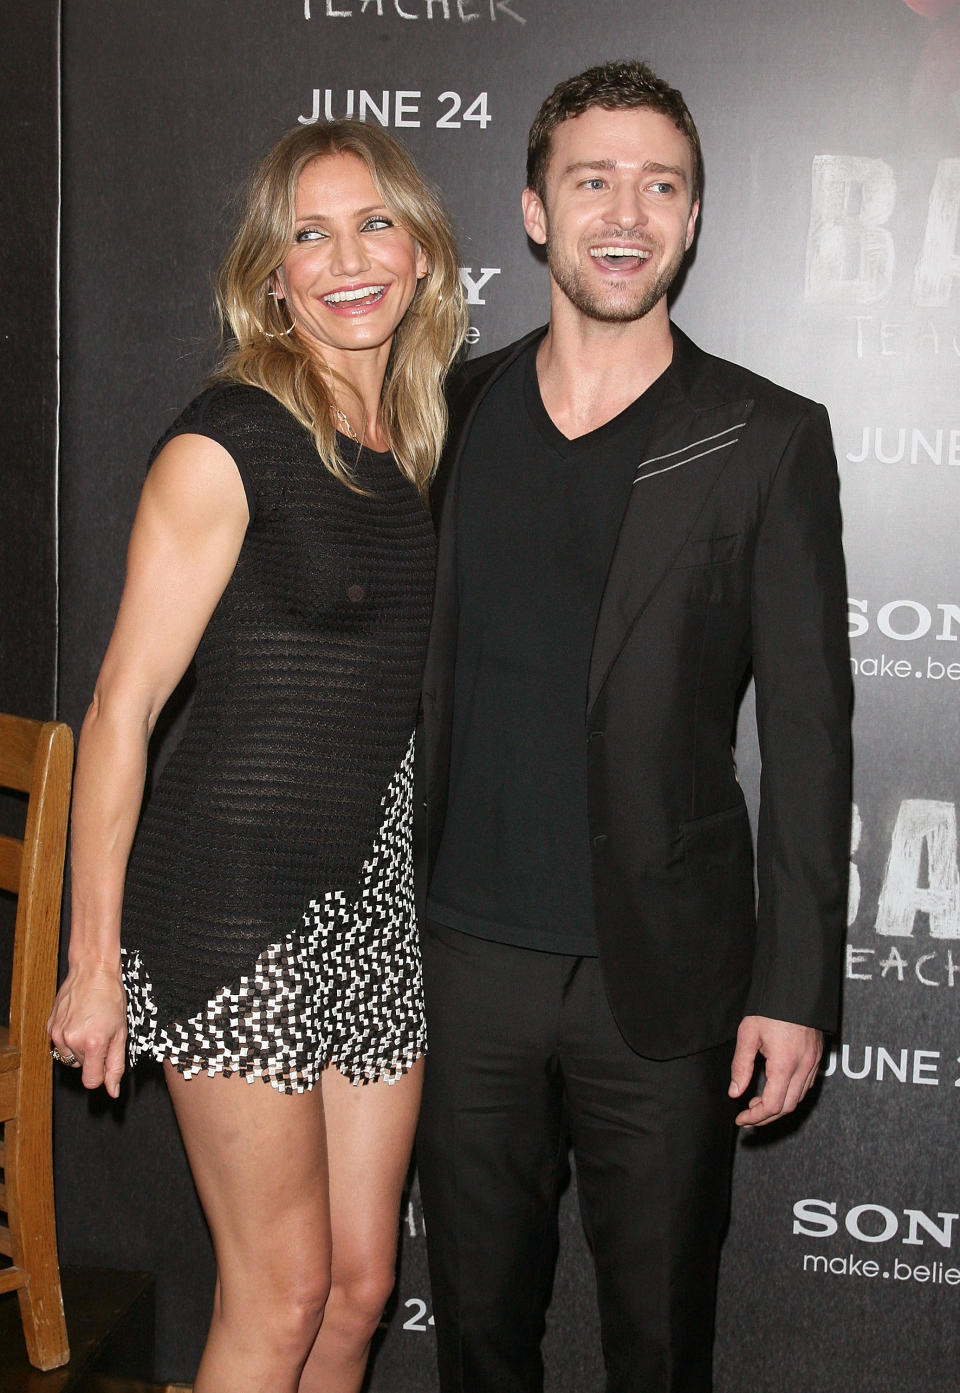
617 219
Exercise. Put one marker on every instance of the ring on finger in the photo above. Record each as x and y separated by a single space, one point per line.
68 1059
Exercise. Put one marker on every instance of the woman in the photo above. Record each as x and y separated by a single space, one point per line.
282 539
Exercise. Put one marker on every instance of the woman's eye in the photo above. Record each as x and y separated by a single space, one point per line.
375 224
309 234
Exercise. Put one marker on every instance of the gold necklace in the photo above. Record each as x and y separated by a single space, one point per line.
344 422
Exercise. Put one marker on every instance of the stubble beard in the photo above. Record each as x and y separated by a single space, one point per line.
618 302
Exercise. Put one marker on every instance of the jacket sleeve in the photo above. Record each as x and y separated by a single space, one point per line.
803 690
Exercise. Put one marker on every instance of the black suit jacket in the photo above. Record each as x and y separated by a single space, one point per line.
728 556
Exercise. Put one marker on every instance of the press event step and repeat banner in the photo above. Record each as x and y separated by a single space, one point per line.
828 259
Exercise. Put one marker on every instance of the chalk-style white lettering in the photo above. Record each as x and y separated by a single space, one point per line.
924 828
466 10
860 320
891 338
850 253
859 957
893 962
853 890
918 967
939 263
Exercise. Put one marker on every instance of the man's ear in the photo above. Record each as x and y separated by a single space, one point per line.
691 225
534 217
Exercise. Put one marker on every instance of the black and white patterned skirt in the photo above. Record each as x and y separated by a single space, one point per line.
344 989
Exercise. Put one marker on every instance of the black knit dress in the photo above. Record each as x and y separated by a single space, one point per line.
268 923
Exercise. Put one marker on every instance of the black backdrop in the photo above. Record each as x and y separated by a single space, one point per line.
29 177
827 258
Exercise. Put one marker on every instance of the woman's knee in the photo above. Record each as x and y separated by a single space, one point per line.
305 1291
357 1299
286 1308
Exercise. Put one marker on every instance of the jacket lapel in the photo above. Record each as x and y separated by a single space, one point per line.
465 398
692 442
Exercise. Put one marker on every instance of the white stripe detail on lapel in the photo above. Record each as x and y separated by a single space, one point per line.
688 458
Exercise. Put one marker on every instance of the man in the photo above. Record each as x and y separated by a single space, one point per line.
627 527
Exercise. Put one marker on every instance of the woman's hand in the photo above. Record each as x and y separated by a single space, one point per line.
88 1024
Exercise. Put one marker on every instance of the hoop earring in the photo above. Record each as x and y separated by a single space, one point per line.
285 332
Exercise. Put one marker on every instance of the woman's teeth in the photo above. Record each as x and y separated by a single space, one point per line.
366 292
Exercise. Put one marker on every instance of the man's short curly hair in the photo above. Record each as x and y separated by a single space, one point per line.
616 86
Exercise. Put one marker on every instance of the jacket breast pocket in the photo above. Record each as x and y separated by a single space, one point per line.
709 551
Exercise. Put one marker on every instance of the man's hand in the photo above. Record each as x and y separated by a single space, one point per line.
791 1055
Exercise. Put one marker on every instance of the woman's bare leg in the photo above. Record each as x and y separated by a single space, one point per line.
260 1167
370 1131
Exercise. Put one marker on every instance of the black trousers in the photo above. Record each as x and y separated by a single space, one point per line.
525 1058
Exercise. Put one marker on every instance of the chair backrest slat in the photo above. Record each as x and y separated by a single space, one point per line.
18 751
11 861
36 757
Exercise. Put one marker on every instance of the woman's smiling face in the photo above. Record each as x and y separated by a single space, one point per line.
351 270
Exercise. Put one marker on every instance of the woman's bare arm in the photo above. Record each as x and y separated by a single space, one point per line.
186 538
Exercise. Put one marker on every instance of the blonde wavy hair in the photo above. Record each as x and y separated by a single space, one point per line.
261 352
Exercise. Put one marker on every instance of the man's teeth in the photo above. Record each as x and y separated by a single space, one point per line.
599 252
364 293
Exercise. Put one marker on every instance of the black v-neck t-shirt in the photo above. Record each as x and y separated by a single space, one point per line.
537 522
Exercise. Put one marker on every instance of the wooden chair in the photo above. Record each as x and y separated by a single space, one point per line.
36 758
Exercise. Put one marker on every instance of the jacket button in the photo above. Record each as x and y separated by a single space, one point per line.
600 839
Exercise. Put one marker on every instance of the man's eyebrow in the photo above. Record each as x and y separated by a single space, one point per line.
675 169
648 167
579 165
